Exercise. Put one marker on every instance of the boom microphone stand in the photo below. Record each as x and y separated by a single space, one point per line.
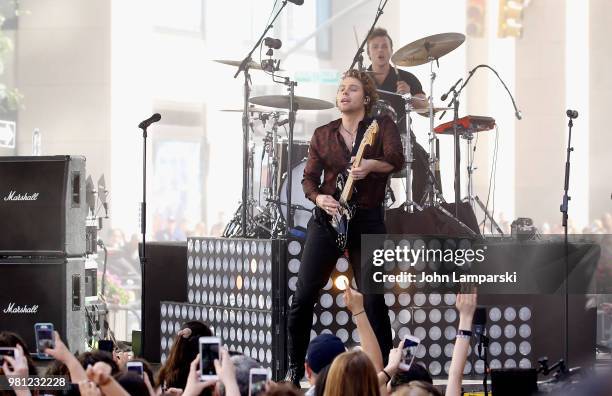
455 104
358 58
244 67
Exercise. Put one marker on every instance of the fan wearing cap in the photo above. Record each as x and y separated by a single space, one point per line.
321 352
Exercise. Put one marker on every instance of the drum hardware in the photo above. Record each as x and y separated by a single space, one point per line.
483 123
243 67
358 58
429 50
466 127
283 102
251 65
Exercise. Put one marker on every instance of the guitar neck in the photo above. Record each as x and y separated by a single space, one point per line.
347 191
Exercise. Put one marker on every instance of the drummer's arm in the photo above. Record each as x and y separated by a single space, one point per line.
419 104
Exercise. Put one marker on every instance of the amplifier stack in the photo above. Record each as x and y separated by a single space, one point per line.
42 246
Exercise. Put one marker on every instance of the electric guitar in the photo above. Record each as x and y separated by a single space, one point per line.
345 187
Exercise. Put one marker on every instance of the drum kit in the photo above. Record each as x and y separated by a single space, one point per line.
271 218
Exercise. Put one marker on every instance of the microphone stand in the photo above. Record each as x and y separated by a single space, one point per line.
244 67
143 230
483 346
455 103
358 58
564 209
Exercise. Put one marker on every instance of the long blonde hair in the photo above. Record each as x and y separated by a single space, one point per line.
352 373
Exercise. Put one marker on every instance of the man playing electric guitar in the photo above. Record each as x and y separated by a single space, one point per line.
333 147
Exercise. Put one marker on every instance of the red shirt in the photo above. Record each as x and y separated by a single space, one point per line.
329 155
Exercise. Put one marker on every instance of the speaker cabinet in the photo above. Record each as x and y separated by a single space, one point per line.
165 279
42 206
45 290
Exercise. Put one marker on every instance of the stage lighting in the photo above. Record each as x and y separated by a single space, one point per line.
510 22
341 282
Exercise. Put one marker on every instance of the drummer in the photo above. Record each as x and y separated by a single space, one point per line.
388 78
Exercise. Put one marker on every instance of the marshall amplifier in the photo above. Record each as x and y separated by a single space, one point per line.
44 290
42 206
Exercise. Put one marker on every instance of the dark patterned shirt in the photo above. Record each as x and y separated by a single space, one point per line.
329 155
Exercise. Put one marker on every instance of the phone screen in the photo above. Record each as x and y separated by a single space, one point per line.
136 368
44 337
106 345
410 349
258 384
208 353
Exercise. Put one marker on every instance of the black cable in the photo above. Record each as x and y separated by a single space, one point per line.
496 156
484 225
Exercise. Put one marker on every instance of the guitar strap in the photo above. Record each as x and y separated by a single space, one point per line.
360 133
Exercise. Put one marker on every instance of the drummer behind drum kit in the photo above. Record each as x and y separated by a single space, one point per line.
271 219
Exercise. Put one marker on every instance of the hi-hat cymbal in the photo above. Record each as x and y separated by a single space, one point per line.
253 109
252 65
424 50
301 102
425 111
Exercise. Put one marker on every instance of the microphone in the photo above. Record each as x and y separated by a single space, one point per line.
572 113
297 2
480 321
145 124
443 97
273 43
283 122
519 115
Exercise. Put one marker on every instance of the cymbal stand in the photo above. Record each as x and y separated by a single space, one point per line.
409 204
273 209
244 68
471 197
433 194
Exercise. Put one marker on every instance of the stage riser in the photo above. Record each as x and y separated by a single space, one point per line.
515 323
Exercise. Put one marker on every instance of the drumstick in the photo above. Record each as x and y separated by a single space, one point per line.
356 38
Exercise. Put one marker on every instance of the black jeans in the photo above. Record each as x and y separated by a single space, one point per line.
318 262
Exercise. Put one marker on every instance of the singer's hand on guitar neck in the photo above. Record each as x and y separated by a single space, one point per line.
327 203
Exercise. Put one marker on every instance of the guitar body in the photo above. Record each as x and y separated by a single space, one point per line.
338 224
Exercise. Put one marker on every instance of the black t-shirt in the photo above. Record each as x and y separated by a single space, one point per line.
390 83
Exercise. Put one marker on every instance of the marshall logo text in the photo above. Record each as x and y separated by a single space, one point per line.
20 309
13 196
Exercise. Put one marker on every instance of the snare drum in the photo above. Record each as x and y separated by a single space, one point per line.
303 211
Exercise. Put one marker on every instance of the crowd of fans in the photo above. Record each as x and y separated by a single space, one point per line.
331 369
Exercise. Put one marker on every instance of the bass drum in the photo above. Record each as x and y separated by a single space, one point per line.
303 206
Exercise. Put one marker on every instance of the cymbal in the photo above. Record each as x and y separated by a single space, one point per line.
252 109
229 62
425 111
399 95
424 50
301 102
